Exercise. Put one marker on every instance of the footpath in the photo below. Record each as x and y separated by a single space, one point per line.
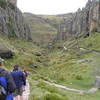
92 90
26 93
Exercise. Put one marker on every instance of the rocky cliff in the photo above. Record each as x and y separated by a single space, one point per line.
82 23
12 22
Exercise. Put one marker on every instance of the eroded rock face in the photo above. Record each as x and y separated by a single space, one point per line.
83 22
12 22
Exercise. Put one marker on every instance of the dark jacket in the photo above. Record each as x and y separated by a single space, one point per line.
19 78
10 82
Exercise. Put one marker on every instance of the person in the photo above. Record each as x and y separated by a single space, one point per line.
19 80
6 82
25 74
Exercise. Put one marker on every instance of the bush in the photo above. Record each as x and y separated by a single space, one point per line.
79 77
54 96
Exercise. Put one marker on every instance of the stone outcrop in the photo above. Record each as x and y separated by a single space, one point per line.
81 23
6 54
12 22
14 2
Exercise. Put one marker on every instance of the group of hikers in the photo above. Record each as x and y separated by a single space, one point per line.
12 84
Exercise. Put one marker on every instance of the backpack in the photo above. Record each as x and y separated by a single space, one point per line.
3 87
18 78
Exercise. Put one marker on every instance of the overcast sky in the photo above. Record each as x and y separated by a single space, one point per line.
50 6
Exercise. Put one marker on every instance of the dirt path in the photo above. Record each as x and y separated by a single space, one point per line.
26 92
92 90
65 88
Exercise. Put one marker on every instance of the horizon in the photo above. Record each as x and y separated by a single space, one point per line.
46 7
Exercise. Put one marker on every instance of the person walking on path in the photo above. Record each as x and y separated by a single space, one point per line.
7 85
20 82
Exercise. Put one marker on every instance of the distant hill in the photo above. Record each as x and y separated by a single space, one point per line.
45 28
53 20
42 30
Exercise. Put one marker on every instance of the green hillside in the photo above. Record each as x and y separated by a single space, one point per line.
74 67
53 20
41 30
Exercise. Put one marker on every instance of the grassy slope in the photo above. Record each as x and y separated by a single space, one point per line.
42 30
52 19
39 25
24 52
64 68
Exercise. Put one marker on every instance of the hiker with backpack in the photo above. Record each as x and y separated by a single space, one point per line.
20 82
7 85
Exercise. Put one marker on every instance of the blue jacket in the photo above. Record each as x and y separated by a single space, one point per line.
19 78
9 96
10 82
3 83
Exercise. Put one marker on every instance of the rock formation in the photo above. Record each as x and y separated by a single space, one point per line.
14 2
12 22
81 23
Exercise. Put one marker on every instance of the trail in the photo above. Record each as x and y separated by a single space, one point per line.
92 90
26 93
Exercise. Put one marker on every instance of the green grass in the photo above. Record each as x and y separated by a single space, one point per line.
24 52
42 31
58 66
93 42
65 69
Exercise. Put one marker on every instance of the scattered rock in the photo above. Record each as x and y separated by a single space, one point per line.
33 65
38 54
93 90
6 54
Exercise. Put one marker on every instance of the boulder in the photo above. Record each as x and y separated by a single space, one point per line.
6 54
33 66
38 54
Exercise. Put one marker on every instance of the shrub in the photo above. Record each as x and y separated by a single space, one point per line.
54 96
79 77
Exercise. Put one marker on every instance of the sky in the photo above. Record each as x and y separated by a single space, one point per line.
50 7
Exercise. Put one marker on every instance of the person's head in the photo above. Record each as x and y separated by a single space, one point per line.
16 67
